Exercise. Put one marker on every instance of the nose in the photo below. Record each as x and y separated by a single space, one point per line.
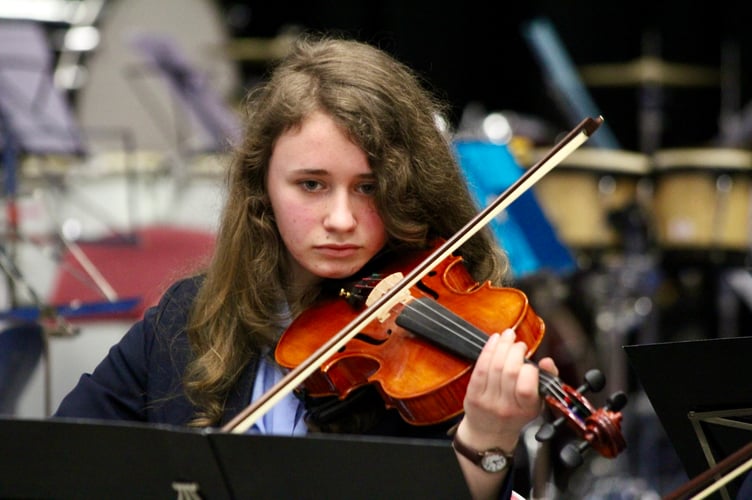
340 215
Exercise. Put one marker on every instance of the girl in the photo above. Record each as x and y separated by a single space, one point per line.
342 162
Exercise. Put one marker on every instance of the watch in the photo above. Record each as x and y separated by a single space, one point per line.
491 460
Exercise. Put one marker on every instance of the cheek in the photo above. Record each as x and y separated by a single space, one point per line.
292 222
374 224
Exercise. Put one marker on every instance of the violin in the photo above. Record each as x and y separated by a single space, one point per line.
598 428
420 356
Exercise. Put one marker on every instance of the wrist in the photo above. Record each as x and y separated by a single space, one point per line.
491 460
484 440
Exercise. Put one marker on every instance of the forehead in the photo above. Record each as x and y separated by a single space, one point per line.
317 143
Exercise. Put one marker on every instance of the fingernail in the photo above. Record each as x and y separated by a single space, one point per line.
509 334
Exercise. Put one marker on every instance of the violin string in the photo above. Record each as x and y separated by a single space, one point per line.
470 336
432 311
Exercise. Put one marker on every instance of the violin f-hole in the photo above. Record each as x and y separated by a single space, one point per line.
427 290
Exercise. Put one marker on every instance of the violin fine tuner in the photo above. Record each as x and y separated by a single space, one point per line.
356 294
600 429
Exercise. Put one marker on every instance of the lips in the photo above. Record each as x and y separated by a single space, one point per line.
337 250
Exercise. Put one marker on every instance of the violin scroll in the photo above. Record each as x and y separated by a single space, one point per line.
599 429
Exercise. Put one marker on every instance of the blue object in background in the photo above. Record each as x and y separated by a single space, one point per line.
522 229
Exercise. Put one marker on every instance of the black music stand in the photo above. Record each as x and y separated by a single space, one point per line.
63 459
86 459
701 391
339 467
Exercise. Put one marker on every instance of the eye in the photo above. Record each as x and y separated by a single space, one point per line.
367 188
311 185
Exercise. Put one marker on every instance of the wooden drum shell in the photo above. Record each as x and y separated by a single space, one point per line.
702 199
579 194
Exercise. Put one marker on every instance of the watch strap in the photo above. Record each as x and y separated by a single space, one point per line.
476 456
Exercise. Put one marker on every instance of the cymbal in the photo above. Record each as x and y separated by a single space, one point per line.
649 70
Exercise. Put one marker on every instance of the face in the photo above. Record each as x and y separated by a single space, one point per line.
322 192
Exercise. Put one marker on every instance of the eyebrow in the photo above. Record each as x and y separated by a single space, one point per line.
316 171
323 171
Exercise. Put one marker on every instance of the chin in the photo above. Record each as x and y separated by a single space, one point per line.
340 273
336 275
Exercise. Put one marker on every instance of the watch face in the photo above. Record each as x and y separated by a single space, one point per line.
493 462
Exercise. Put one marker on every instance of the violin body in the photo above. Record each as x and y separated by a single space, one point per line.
425 383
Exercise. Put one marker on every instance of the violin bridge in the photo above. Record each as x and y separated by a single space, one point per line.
384 286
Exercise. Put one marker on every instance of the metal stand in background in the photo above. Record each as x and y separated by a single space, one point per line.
9 160
618 294
621 290
734 290
215 125
34 116
34 120
51 321
60 326
622 295
201 120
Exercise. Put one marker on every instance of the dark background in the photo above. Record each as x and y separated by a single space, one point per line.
474 52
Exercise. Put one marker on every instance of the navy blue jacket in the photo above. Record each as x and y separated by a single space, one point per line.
140 379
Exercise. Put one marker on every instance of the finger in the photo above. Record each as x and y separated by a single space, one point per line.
518 377
527 390
549 365
485 377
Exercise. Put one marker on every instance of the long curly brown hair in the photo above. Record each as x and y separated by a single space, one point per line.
421 195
